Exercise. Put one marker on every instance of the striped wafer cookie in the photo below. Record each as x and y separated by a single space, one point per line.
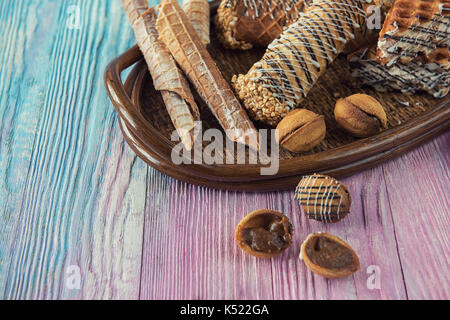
167 77
134 9
414 30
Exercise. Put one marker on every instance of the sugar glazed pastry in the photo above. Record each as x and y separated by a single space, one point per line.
264 233
409 78
329 256
177 32
323 198
414 30
282 79
242 24
198 13
167 77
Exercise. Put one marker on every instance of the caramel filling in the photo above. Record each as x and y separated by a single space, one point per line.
272 236
329 254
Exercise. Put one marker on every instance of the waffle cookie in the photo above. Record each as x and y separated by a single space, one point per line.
134 9
281 80
199 13
177 32
323 198
167 77
432 77
414 30
241 24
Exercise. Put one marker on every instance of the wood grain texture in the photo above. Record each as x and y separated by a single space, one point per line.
73 193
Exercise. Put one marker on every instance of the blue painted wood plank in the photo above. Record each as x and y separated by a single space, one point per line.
72 193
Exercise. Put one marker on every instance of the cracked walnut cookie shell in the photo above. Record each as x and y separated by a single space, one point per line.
329 256
264 233
323 198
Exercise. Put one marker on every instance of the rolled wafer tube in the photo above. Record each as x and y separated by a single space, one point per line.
198 13
134 9
167 77
177 32
281 80
414 30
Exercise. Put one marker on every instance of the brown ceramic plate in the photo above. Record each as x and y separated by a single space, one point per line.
146 126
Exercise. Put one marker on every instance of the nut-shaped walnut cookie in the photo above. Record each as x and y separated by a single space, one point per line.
361 115
301 130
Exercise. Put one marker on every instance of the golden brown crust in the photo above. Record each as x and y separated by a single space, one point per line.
134 9
329 272
360 114
225 21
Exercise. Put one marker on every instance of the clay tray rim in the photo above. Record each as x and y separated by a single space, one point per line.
422 125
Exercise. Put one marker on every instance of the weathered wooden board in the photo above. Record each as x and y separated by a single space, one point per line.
72 193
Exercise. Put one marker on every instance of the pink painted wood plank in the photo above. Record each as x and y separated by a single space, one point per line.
190 253
418 187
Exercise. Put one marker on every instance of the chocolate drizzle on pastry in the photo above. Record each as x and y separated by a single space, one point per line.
323 198
413 30
432 77
282 79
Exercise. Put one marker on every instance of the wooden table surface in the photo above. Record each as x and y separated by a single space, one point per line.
82 217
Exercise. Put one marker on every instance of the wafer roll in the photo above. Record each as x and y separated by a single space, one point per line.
177 32
432 77
134 9
293 63
242 24
415 30
198 13
167 77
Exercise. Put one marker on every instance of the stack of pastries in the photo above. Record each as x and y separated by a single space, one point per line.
302 37
412 53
